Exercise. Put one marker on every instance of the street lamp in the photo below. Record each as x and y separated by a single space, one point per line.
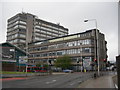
81 57
26 56
96 34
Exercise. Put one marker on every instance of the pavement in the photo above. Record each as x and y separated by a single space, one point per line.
9 79
100 82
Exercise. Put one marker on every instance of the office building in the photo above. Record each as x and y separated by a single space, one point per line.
26 28
80 47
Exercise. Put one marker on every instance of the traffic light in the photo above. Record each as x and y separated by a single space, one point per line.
77 61
95 60
104 60
50 62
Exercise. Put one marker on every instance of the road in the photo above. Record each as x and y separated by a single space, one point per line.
69 80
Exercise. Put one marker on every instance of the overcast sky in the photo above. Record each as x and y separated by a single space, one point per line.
71 15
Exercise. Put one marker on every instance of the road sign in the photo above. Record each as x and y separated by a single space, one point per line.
23 59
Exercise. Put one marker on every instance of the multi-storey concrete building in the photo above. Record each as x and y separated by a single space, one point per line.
25 27
80 47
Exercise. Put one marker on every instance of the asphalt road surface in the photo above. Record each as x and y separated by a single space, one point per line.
70 80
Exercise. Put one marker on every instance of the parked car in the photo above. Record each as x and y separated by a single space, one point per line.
68 71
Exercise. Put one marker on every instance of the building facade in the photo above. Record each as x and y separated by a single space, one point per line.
10 56
80 47
25 27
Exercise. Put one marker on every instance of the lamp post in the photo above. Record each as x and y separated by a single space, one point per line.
97 44
81 57
26 56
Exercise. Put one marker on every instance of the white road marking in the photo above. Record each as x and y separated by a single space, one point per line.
47 82
54 80
51 81
72 83
116 86
75 82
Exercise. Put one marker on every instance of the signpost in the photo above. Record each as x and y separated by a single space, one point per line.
23 60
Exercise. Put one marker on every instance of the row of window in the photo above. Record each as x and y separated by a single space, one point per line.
71 37
63 52
16 23
86 60
16 27
14 20
68 44
13 32
16 31
39 38
51 33
46 34
17 40
14 41
16 35
48 29
49 26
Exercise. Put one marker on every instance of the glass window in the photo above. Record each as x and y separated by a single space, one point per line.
37 38
22 30
22 41
16 40
22 35
16 35
22 26
44 48
37 30
37 26
59 53
22 22
15 27
43 31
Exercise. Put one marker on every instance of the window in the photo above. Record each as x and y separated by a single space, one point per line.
15 27
49 33
13 20
37 30
55 31
22 35
16 35
37 38
15 41
59 53
87 50
43 31
22 22
37 26
22 30
44 48
21 26
37 34
22 41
